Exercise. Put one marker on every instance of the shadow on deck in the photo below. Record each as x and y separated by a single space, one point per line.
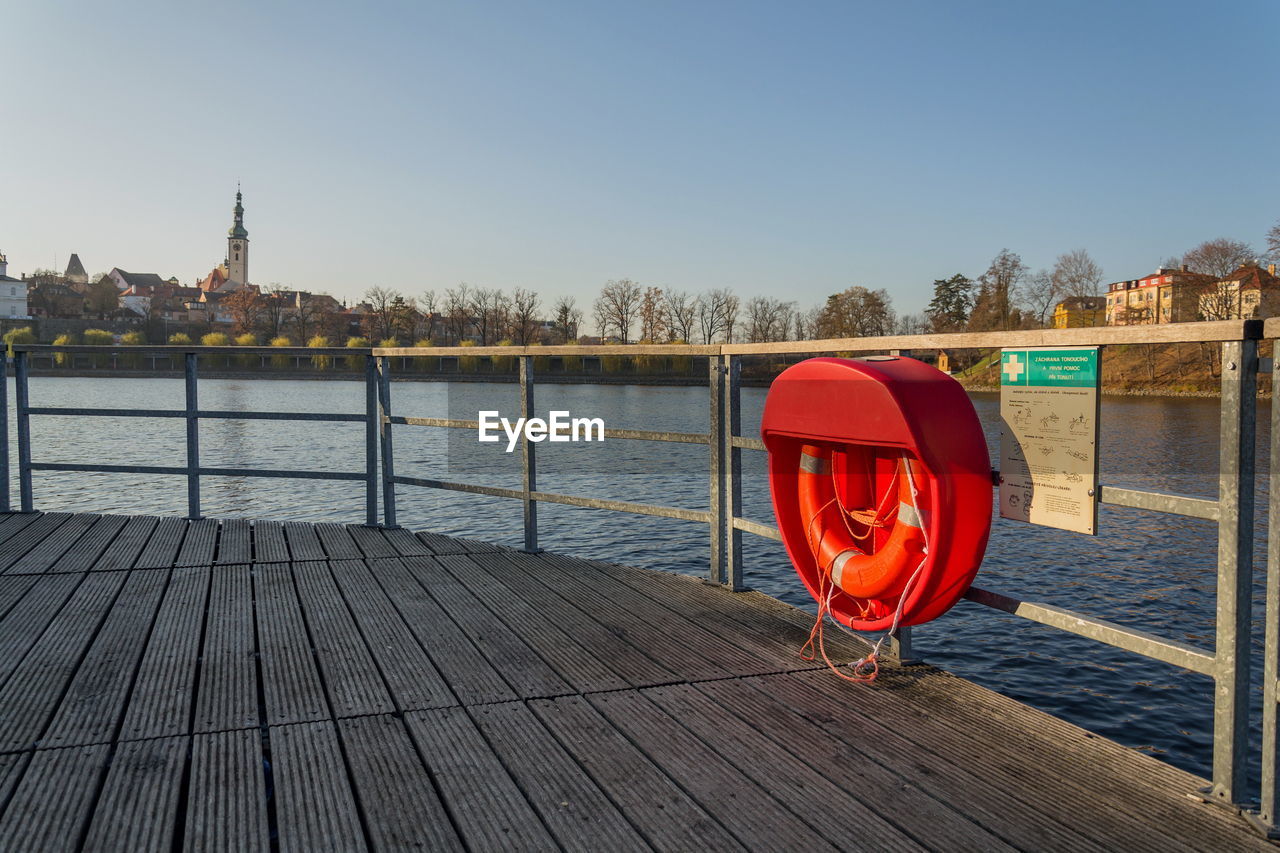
219 685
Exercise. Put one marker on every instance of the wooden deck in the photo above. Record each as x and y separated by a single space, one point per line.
226 685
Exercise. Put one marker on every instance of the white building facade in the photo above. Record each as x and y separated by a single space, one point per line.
13 294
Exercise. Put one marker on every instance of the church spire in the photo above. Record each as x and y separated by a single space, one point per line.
237 229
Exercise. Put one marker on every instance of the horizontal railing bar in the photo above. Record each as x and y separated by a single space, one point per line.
202 414
124 349
768 531
204 472
1128 639
282 474
560 350
701 515
62 411
449 486
1157 502
108 469
214 414
451 423
748 443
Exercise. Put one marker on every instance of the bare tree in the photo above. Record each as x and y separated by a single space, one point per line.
457 307
653 315
523 321
568 317
277 306
1039 293
717 315
1076 274
311 315
913 324
993 308
616 308
681 311
488 309
767 319
1273 242
805 323
1219 258
382 316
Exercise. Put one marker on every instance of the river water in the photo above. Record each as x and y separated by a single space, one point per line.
1146 570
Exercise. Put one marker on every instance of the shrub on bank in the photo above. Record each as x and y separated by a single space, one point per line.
98 338
426 363
133 339
180 339
248 339
62 359
468 363
215 339
19 336
356 362
504 363
320 362
280 360
571 363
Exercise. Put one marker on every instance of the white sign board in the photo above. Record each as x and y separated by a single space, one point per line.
1049 437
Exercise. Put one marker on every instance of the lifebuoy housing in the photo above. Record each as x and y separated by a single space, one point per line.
880 480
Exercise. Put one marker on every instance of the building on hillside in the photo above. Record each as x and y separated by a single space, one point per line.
124 279
13 294
1166 296
1080 311
1248 293
233 273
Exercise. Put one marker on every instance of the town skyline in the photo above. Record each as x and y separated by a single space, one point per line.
557 151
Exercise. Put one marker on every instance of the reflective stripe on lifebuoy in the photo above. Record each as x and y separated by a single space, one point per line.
856 566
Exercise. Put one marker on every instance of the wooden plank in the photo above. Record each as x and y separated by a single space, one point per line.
14 524
402 808
676 643
849 794
25 623
487 807
95 699
33 692
405 543
40 557
290 680
162 697
751 814
13 588
520 666
439 545
12 766
304 544
573 808
350 675
629 659
227 696
337 542
269 545
467 672
659 809
138 807
372 541
162 545
227 802
199 544
412 678
53 799
235 543
942 798
89 547
30 536
128 546
584 668
315 807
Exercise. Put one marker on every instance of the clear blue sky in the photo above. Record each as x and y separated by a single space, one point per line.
788 149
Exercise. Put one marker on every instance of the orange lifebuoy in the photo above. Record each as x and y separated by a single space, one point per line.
855 564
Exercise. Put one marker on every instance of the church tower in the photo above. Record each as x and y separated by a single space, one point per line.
238 247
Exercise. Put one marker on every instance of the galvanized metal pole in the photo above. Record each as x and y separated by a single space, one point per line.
1268 805
22 390
733 471
716 432
193 439
384 430
529 462
900 650
1235 570
370 441
4 435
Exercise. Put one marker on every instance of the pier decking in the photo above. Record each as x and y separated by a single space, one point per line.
167 684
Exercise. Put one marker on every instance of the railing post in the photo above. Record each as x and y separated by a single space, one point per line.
371 430
193 438
4 435
900 651
23 394
1268 801
732 461
384 430
1235 570
529 463
716 434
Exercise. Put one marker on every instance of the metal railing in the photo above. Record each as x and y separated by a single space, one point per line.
1227 663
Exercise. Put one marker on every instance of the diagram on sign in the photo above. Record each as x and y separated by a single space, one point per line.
1048 440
